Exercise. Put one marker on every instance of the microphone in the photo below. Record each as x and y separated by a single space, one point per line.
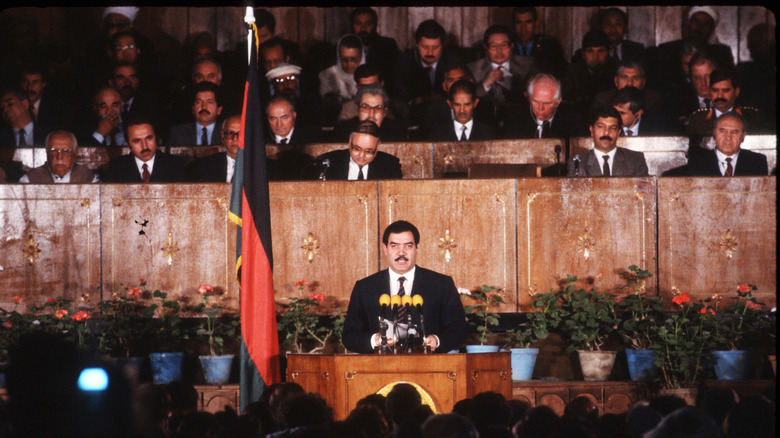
558 158
395 301
576 161
417 301
406 300
325 164
384 301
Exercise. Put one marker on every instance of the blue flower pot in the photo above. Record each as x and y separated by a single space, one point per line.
216 369
640 364
732 364
166 367
481 348
523 361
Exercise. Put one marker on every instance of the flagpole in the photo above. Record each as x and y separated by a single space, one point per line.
249 19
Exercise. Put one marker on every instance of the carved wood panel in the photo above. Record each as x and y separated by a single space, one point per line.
466 228
593 228
455 157
714 233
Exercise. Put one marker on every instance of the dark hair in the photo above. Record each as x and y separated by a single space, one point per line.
604 111
272 42
403 399
462 86
119 64
723 74
374 90
264 18
430 29
206 61
466 71
367 127
16 91
700 57
33 68
350 41
366 71
363 10
398 227
135 119
113 39
497 29
207 86
525 10
617 11
595 38
631 95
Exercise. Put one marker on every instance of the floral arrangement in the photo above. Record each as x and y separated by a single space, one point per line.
734 326
586 318
213 329
125 328
481 318
536 325
639 311
300 323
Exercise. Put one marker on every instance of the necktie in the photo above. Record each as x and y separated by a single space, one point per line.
125 109
401 293
605 168
545 128
629 133
145 175
361 177
283 141
707 103
729 169
22 140
429 72
463 134
204 137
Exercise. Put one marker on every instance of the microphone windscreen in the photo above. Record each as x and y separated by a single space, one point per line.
395 300
417 300
384 300
406 300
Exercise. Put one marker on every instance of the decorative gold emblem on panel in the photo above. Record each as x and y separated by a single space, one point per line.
222 201
116 202
392 198
449 158
418 159
363 199
585 244
728 244
85 202
310 247
169 249
639 195
531 196
500 198
31 250
447 245
674 196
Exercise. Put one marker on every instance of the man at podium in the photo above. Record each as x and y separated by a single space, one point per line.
377 320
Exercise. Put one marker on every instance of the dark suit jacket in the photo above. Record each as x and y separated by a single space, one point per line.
411 79
186 135
548 54
520 67
391 130
632 51
749 163
382 52
212 168
442 310
303 133
626 163
8 136
384 166
167 168
519 123
446 132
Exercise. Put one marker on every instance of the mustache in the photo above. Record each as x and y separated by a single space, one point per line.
204 111
605 137
399 258
720 99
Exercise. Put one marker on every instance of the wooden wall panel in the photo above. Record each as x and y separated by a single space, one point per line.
669 23
714 233
392 23
584 226
341 217
451 20
51 242
311 27
480 218
456 157
558 23
188 240
641 22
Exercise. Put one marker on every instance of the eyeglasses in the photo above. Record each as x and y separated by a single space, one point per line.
285 79
65 152
232 135
360 151
123 48
368 108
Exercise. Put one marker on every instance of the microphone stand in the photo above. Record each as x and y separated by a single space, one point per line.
383 336
426 347
558 158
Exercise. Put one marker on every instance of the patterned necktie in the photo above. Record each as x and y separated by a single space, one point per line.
204 137
463 134
401 293
605 168
145 175
729 168
360 177
22 140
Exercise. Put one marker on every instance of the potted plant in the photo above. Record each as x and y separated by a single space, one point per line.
300 324
214 330
124 327
681 344
480 317
586 318
169 336
534 328
734 328
639 312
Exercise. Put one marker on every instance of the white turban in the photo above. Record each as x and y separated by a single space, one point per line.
709 10
283 70
128 11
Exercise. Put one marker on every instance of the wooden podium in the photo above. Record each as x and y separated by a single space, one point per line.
441 379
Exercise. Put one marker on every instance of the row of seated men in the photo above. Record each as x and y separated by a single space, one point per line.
362 159
524 88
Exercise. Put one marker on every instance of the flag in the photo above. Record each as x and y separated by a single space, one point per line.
250 210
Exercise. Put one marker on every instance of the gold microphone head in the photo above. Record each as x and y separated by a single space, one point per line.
395 300
417 300
384 300
406 300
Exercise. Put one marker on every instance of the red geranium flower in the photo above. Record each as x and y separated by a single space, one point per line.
62 313
300 283
318 297
753 306
682 299
9 324
205 288
81 315
135 292
51 300
17 299
744 288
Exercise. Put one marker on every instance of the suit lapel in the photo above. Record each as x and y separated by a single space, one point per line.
619 167
592 164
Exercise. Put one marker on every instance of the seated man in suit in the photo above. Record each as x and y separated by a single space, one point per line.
360 162
221 166
637 121
614 22
381 51
545 50
103 127
372 102
728 158
606 159
630 74
462 126
144 164
724 91
590 73
442 311
206 107
60 164
137 99
545 115
19 128
285 129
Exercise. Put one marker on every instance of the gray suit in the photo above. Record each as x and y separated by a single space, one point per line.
626 163
520 67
